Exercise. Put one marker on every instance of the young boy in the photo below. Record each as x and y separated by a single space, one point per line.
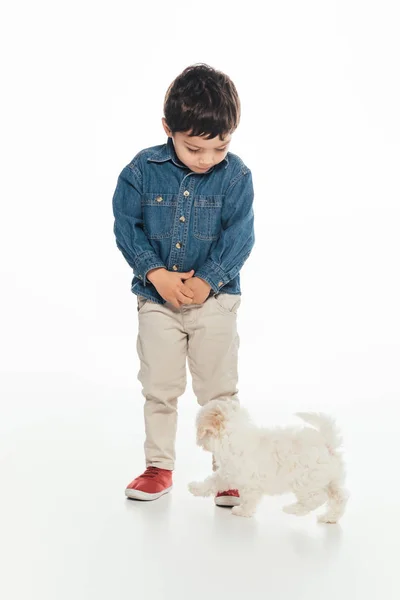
184 223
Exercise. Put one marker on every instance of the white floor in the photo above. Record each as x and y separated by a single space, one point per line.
67 531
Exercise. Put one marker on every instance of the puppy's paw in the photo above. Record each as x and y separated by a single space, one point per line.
328 519
295 509
240 511
198 488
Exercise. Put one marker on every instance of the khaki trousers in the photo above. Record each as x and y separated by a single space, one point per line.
203 334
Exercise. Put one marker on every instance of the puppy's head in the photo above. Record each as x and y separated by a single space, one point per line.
213 421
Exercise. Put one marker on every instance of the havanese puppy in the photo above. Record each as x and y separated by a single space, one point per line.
259 461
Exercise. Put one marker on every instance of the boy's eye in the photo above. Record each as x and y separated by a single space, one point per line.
218 150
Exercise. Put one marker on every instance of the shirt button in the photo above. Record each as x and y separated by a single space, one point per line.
220 284
182 219
186 193
174 268
178 245
159 198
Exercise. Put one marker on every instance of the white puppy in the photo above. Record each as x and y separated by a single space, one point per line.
258 461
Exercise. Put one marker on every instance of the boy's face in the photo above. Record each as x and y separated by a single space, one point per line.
198 153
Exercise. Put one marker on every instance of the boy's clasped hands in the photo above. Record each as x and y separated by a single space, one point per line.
179 288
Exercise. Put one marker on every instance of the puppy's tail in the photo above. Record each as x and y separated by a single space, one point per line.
326 426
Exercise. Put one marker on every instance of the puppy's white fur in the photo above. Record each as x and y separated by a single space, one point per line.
259 461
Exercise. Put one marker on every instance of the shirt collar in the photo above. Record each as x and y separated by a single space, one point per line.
167 152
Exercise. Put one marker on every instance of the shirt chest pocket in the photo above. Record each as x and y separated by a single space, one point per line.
158 215
207 217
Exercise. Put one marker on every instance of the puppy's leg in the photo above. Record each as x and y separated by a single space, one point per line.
337 500
249 500
208 487
307 501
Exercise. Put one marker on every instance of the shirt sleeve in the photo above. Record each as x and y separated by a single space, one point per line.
237 238
128 224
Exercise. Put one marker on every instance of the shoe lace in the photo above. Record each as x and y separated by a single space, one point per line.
151 472
229 493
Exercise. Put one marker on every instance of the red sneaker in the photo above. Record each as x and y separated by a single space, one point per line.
152 484
229 498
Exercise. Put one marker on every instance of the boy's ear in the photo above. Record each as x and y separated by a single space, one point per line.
166 128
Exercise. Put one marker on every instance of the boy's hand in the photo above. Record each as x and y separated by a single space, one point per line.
170 287
199 287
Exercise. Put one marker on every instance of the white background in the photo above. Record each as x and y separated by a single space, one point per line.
83 88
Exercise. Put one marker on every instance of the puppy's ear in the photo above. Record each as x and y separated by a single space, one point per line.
214 422
202 432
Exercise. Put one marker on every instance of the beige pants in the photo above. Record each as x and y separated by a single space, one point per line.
205 334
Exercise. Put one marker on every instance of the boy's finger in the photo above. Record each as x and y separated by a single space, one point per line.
186 291
187 275
183 299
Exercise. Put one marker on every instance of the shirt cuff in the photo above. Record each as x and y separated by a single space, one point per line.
213 274
147 262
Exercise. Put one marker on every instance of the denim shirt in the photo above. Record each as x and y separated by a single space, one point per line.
168 216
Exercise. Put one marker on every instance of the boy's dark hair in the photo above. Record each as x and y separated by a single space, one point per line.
203 101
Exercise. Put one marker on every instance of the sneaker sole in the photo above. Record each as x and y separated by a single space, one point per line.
139 495
227 501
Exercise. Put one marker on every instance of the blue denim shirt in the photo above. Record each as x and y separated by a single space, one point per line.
168 216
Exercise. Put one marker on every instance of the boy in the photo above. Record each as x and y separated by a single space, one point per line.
184 223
